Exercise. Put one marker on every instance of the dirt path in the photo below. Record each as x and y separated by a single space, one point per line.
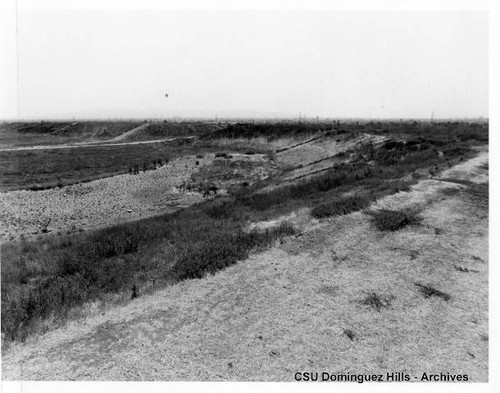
299 307
91 144
471 170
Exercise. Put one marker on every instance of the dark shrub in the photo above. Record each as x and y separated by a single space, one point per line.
392 220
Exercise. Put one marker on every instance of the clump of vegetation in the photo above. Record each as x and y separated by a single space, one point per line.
203 187
213 254
340 206
465 269
376 301
429 291
147 165
393 220
350 334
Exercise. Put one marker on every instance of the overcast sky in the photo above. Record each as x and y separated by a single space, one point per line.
107 64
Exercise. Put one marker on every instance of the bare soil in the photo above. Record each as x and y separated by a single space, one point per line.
98 203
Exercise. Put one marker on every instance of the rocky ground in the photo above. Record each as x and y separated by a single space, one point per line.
98 203
109 201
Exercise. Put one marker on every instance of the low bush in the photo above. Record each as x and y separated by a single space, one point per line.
393 220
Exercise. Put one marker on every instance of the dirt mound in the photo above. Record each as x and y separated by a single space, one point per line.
319 154
133 133
49 133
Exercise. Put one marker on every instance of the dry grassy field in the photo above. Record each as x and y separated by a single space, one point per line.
244 251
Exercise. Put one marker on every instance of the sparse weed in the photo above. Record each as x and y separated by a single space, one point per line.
429 291
376 301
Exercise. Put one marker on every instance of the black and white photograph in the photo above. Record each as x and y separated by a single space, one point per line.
246 192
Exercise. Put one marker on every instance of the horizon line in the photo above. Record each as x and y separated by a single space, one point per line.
225 118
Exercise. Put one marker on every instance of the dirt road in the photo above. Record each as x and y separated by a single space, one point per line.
91 144
300 307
